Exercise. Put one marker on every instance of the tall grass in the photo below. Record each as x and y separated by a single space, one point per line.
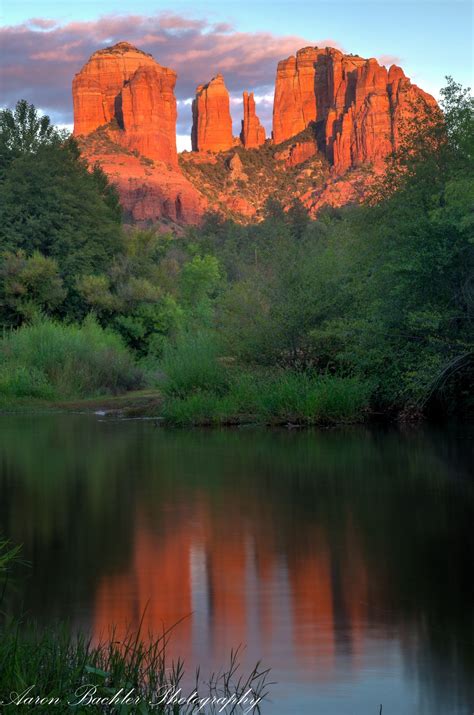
201 390
51 360
191 364
65 669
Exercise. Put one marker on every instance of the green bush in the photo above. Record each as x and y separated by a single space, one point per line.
19 381
304 399
54 360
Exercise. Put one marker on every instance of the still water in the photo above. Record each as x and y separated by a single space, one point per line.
343 560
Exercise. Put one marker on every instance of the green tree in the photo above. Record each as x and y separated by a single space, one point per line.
52 204
24 131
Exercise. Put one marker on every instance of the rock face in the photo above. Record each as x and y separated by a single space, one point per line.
253 133
124 84
149 192
361 106
212 123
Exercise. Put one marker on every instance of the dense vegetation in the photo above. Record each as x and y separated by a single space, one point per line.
288 320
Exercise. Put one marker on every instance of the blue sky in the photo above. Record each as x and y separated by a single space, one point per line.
428 39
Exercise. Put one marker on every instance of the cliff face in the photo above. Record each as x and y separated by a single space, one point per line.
253 133
124 84
212 123
360 105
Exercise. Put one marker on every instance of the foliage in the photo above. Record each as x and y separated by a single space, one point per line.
51 360
8 556
24 131
28 284
51 203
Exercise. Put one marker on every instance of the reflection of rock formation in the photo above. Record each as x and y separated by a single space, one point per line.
233 586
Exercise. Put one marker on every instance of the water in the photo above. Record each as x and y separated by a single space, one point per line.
343 560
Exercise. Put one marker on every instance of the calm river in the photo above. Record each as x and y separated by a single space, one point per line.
342 559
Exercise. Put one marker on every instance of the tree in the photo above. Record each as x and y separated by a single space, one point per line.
52 204
298 218
24 131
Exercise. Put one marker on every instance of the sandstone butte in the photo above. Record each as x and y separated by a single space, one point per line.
356 107
212 123
124 90
361 106
124 84
253 133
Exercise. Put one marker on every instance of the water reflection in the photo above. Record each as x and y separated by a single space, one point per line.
343 559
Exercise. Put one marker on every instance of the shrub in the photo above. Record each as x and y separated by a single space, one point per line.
48 359
25 382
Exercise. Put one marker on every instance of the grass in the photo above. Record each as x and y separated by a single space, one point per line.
66 668
277 399
48 361
191 364
199 388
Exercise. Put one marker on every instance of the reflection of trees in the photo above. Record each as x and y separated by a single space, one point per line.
64 488
372 530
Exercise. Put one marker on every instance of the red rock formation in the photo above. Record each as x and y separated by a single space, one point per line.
149 113
212 123
152 193
359 111
295 100
124 84
253 133
96 88
362 107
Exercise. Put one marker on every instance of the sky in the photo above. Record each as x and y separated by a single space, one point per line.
44 43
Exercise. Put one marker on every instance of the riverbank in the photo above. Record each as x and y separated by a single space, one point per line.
139 403
275 400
